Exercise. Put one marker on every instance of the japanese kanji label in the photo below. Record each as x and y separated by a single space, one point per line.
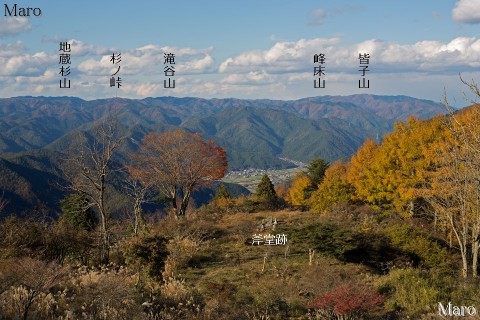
319 70
169 70
115 80
364 60
65 62
269 239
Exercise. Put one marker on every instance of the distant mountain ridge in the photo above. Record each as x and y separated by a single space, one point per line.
254 132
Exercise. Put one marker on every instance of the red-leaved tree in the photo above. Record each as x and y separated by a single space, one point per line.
347 302
176 163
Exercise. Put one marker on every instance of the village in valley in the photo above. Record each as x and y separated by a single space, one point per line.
250 178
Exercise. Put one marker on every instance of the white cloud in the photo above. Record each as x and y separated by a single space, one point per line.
144 89
467 11
13 25
80 49
16 61
26 73
435 56
47 77
293 57
24 64
283 71
282 57
148 59
317 17
12 49
94 67
200 65
253 77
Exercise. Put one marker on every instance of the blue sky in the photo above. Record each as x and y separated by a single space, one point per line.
243 49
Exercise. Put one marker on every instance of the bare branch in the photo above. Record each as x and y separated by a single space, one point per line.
88 169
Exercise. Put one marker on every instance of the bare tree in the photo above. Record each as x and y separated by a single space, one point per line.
454 185
139 194
471 142
88 169
447 196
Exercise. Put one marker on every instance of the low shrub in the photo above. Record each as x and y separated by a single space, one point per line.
347 301
410 291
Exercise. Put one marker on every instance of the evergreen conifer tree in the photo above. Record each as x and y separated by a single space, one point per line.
222 192
265 189
77 211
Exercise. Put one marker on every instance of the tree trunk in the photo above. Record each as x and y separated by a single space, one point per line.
475 237
28 303
105 253
138 218
463 245
135 223
185 200
474 258
464 254
464 266
174 202
475 247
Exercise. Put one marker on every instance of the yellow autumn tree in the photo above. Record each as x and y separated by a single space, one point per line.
334 188
388 175
361 173
403 158
297 193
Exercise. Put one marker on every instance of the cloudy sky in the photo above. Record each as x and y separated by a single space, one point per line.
243 49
